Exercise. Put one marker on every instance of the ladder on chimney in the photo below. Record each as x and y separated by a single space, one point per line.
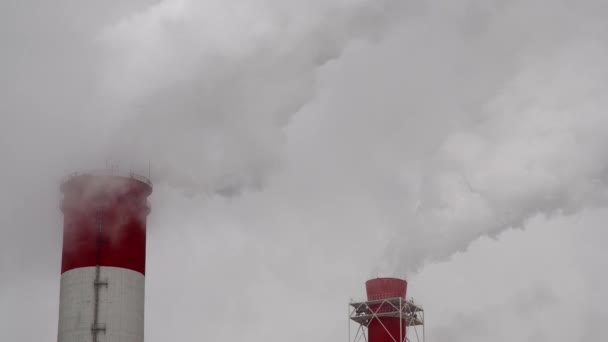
97 327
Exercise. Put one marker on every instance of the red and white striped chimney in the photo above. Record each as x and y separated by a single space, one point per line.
104 257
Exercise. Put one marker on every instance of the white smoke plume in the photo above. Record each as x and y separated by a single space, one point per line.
535 147
205 89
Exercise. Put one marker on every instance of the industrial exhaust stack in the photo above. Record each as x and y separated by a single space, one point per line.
104 257
386 315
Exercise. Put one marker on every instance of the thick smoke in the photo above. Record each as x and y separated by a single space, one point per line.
204 89
205 92
534 147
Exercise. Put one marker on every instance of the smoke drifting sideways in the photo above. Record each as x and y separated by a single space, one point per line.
535 148
205 89
207 92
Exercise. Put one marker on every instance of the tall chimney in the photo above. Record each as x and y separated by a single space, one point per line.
104 257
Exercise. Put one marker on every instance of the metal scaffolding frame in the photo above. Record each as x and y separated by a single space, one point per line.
364 312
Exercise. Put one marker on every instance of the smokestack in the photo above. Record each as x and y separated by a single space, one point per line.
104 257
386 313
385 328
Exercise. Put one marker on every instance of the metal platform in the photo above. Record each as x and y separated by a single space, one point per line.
364 312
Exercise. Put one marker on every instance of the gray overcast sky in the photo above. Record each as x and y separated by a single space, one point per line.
300 147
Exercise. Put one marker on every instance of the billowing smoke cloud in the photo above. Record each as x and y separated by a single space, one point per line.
534 147
204 89
205 92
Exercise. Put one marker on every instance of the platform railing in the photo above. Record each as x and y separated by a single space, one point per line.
386 295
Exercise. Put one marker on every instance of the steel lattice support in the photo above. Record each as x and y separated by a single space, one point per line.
363 313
